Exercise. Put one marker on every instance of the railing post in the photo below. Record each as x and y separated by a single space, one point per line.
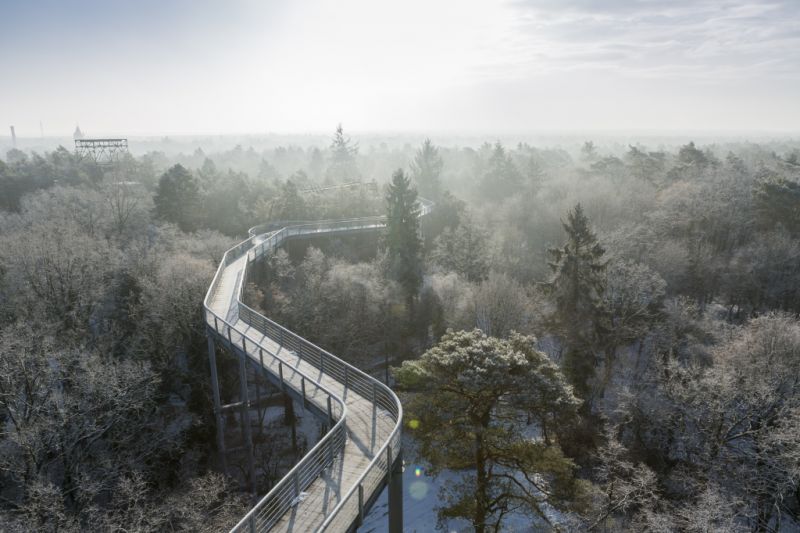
296 483
280 374
303 387
330 413
346 377
252 522
374 387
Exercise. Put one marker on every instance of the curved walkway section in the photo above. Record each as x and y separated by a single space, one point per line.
332 487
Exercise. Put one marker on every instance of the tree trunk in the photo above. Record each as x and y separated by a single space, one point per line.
479 519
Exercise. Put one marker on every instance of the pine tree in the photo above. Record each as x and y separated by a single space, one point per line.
502 178
475 394
403 242
426 169
577 287
343 158
177 198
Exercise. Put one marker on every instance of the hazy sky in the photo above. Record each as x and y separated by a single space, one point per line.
197 66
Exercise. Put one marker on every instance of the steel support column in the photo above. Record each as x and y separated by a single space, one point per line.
212 361
395 483
245 419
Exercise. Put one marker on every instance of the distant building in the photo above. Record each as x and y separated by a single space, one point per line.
78 133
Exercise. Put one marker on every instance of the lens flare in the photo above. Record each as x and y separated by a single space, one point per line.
418 490
418 472
413 424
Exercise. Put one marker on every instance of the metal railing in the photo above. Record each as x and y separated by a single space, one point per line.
322 457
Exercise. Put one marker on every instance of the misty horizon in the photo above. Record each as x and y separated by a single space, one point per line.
195 68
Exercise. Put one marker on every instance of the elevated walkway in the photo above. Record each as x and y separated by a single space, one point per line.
332 487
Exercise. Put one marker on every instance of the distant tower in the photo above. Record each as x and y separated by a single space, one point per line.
78 133
101 151
13 137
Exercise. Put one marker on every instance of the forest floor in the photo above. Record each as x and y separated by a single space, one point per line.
421 496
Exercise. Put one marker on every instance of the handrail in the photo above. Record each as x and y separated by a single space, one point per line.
272 506
329 447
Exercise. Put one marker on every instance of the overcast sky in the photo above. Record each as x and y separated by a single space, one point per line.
196 66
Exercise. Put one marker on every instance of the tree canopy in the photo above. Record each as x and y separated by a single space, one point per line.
477 389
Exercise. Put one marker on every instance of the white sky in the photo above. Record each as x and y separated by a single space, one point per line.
151 67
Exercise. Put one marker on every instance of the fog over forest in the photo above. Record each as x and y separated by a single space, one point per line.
508 266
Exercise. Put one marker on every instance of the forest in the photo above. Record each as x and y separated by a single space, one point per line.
593 335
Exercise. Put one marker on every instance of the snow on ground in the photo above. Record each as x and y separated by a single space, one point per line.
421 497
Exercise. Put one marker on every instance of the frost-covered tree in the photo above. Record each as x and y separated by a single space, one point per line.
464 250
778 202
54 269
477 391
501 177
403 243
426 169
632 300
290 205
342 167
177 198
501 306
576 288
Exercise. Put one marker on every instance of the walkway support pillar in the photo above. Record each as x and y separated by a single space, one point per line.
289 419
395 482
245 417
212 361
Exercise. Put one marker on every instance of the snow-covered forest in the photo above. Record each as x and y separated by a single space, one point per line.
594 335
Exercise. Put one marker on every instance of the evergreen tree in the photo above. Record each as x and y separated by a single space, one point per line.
589 151
476 392
426 169
463 250
403 242
177 198
290 205
534 175
689 154
208 174
577 287
777 201
343 159
502 178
